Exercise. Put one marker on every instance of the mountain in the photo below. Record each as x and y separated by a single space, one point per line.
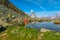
9 13
11 6
57 16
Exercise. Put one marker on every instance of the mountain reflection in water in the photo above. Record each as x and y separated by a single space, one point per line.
47 25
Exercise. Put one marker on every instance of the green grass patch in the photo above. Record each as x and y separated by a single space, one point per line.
21 33
51 36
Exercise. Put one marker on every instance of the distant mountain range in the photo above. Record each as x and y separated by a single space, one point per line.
57 16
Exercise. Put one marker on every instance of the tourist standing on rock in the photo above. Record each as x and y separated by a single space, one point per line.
25 21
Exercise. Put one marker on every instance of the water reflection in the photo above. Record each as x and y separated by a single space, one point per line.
47 25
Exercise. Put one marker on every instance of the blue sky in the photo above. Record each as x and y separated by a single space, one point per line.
42 8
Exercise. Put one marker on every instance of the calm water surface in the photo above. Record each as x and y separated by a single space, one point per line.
47 25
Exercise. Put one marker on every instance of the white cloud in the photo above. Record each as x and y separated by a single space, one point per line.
37 4
32 10
45 13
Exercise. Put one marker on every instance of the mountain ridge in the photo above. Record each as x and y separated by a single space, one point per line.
8 4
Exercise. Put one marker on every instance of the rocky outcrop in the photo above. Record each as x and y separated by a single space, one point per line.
9 5
44 30
8 12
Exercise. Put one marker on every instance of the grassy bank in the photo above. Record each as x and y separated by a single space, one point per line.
57 21
19 33
51 36
22 33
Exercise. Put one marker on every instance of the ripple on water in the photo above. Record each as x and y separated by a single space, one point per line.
48 25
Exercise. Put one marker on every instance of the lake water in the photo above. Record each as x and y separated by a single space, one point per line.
47 25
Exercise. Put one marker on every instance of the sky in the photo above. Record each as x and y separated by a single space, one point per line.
42 8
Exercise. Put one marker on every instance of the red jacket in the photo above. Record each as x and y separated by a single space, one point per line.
25 21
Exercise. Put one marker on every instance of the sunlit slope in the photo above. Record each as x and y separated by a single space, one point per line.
9 5
9 12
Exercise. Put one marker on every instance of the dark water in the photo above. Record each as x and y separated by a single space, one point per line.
47 25
2 28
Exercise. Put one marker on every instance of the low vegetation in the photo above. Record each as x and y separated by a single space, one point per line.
57 21
51 36
22 33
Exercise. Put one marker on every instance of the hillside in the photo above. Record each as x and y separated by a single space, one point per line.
9 13
11 6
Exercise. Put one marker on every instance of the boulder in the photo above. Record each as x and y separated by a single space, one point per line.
44 30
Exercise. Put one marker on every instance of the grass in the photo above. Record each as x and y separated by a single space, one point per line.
51 36
57 21
22 33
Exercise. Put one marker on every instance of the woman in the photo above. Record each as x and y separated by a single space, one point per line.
25 21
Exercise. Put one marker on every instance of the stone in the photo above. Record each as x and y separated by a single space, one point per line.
44 30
